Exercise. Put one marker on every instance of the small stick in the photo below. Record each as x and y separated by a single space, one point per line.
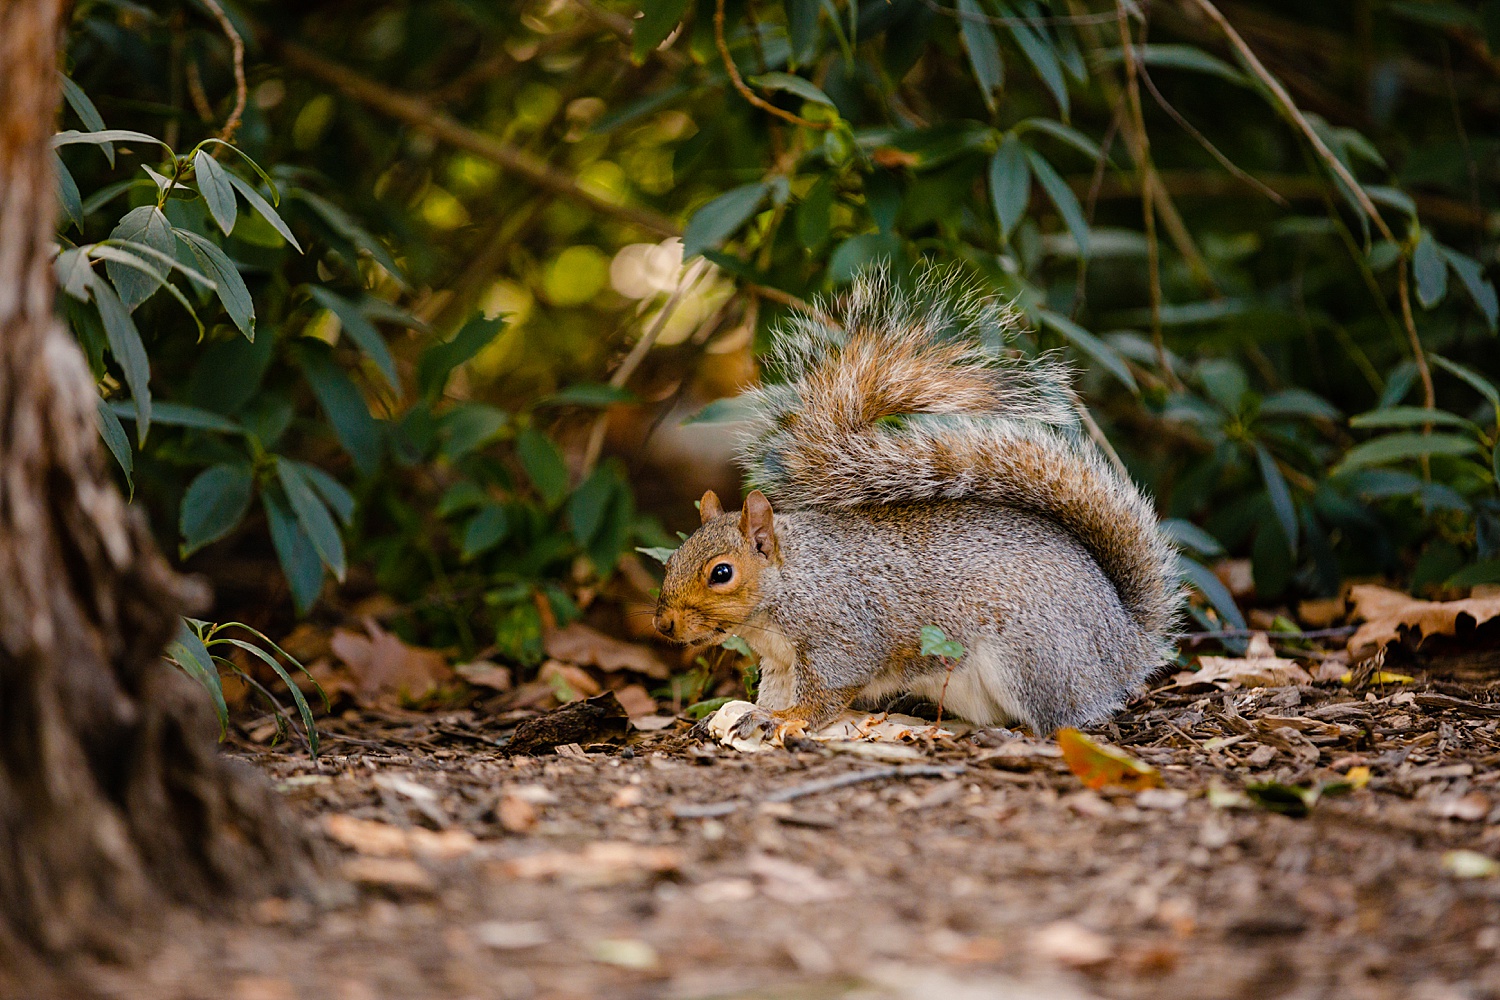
233 123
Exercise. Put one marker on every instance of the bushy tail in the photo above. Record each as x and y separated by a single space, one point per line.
917 398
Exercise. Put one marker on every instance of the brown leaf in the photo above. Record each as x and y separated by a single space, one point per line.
483 673
635 700
381 664
568 683
591 648
1260 667
1389 613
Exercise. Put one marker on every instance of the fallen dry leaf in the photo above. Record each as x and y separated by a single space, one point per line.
851 732
1389 615
602 863
381 665
591 648
636 700
1097 765
483 673
382 840
1259 667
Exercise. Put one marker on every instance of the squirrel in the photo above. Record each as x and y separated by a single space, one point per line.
926 473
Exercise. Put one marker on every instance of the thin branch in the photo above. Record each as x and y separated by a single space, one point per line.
1403 292
1202 140
423 116
637 354
1290 109
740 85
232 124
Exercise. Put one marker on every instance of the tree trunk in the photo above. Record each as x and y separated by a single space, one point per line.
113 797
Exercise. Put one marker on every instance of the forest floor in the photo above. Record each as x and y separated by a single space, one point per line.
659 864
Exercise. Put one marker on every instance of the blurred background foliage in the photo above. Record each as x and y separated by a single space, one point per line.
417 335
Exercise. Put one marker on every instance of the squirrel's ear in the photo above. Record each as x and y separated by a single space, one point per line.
756 523
709 507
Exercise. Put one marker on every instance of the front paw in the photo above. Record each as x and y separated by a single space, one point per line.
757 721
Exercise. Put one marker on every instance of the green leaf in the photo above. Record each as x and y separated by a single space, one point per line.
1298 403
1107 356
73 272
802 29
462 495
657 20
470 426
357 431
230 286
790 84
715 222
294 550
189 653
1431 271
344 225
1062 196
1412 416
1475 575
1010 184
735 644
115 440
814 218
1399 447
104 138
333 492
86 112
213 184
254 199
1186 57
67 192
589 394
438 361
125 344
215 501
1039 51
149 226
859 252
984 51
361 331
313 516
485 530
1202 579
298 698
1187 535
1063 133
590 502
1281 496
182 415
936 643
1481 290
1391 197
660 554
543 464
1476 381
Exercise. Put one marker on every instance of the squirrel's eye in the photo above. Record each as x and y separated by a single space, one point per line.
721 573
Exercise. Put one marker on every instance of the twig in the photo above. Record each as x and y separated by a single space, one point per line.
1403 292
232 124
711 809
1245 633
637 354
739 83
421 115
1290 109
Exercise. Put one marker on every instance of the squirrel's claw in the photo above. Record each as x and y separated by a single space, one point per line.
756 719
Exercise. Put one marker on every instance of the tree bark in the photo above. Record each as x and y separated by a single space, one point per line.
113 797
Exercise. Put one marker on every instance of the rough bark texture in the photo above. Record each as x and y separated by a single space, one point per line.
113 798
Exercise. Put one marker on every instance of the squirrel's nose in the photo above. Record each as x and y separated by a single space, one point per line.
666 624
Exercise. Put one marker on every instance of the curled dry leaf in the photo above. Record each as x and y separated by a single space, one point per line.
1097 765
1259 667
1389 615
382 666
591 648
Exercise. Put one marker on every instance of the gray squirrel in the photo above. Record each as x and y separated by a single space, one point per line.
924 474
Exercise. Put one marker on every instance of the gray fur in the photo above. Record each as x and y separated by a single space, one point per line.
1048 642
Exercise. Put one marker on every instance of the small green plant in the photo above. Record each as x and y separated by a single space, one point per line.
935 642
192 651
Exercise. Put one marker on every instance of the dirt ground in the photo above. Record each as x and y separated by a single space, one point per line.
663 865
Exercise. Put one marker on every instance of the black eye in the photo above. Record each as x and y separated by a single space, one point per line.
721 573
